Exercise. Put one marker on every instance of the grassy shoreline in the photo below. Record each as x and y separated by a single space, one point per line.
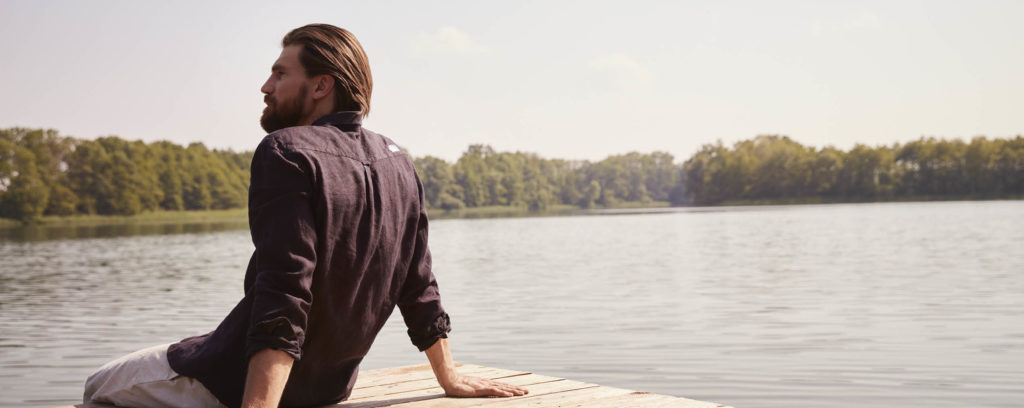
155 217
240 215
502 211
905 199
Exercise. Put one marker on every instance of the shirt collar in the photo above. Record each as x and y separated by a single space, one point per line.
340 118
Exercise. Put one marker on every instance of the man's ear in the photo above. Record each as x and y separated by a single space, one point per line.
323 87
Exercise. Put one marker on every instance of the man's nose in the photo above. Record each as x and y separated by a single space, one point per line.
267 88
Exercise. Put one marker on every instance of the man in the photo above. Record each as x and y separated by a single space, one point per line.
338 219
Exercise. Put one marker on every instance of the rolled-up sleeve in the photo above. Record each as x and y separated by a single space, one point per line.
420 301
283 231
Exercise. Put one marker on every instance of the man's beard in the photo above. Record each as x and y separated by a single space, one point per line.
281 114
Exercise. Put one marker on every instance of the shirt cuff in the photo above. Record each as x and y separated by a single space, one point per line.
277 334
437 330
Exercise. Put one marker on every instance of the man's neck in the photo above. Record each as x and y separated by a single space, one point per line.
322 108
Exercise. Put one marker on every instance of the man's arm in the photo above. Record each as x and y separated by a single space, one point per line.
456 385
281 223
268 373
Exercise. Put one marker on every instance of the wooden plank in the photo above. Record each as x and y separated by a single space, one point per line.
431 392
412 373
391 372
412 368
538 385
578 397
431 382
648 400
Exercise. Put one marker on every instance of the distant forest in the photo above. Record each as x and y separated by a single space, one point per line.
43 173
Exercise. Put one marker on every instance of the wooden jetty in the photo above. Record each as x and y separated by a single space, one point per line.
416 387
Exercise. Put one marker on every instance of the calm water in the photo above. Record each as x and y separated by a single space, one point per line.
913 304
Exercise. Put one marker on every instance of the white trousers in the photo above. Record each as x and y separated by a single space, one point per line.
145 379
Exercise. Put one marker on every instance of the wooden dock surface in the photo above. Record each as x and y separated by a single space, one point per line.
416 387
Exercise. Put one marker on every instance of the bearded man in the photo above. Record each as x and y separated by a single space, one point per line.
338 219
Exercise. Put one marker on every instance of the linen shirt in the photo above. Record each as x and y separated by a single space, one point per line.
337 216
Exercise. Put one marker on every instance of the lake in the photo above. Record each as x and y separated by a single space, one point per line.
895 304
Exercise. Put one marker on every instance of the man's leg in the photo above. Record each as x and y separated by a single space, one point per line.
145 379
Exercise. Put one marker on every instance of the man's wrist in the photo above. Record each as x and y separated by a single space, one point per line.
442 364
267 375
448 379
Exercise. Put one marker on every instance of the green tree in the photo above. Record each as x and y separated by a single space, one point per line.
25 196
469 172
435 175
62 200
537 188
196 190
566 180
591 194
824 169
89 174
171 179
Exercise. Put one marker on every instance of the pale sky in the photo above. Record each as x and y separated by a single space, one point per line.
575 80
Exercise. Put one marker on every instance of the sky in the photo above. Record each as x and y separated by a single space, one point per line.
563 79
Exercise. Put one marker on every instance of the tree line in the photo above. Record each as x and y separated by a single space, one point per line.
763 169
778 168
483 177
43 173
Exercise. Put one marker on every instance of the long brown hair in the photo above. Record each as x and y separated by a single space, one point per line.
334 51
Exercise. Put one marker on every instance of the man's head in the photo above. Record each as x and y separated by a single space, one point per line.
322 69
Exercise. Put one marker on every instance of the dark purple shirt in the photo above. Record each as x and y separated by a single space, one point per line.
338 219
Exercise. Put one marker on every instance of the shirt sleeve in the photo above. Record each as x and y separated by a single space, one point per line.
283 231
420 301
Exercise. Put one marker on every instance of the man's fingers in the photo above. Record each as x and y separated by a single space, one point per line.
514 389
491 390
497 389
519 391
508 390
484 387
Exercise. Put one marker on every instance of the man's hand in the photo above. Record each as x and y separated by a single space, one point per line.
466 386
456 385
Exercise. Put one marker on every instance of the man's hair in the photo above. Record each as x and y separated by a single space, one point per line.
330 50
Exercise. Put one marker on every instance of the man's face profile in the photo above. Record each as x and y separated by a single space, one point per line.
286 91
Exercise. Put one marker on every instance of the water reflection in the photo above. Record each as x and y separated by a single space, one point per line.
906 304
35 233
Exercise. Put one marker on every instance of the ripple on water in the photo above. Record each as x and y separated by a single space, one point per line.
907 304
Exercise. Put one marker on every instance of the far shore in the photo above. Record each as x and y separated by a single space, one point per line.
153 217
507 211
240 215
